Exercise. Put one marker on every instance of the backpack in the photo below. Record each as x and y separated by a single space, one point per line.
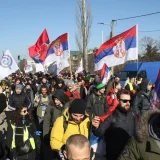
65 123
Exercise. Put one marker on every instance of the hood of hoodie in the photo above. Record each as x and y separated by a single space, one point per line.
143 126
61 96
144 84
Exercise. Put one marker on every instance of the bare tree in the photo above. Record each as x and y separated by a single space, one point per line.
84 23
147 41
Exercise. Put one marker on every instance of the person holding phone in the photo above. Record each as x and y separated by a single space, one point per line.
118 127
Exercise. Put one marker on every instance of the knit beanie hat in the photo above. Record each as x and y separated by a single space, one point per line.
78 106
19 86
100 86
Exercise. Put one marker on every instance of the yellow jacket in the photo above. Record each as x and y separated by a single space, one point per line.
58 137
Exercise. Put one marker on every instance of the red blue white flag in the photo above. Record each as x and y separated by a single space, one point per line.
58 50
38 52
105 74
156 96
118 49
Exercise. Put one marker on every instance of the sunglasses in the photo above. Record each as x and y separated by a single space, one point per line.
25 111
125 100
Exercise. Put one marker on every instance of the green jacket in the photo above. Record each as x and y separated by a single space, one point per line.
51 114
143 146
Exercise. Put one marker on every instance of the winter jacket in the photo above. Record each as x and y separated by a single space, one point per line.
116 130
96 105
83 92
142 101
3 125
23 122
131 87
30 95
58 136
44 100
143 146
51 114
18 100
73 95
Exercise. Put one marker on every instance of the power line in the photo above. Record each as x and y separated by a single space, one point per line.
150 31
143 15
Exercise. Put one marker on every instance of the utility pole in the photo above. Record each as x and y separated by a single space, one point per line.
112 28
85 54
111 35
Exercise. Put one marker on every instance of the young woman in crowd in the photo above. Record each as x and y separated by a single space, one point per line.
21 135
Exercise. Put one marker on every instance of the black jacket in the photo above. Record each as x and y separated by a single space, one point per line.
96 105
24 121
18 100
142 101
116 130
83 94
53 111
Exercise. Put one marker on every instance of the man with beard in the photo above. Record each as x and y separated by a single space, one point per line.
73 121
118 127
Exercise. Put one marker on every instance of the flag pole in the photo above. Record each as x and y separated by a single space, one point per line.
69 57
137 44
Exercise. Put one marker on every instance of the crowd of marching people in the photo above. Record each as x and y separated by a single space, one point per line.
77 117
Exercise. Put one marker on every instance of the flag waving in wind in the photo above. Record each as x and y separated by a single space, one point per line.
156 97
118 49
80 67
38 52
28 68
7 65
105 74
58 50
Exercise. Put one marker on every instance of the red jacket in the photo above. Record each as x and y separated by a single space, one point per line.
73 95
112 103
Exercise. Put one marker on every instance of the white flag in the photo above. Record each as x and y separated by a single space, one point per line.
39 67
61 64
80 67
7 65
28 68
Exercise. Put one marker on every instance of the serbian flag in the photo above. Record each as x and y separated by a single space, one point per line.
38 52
118 49
156 97
58 50
105 74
